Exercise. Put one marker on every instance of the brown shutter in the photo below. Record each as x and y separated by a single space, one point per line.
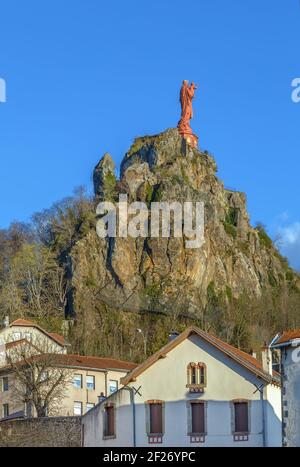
241 417
198 420
156 424
110 421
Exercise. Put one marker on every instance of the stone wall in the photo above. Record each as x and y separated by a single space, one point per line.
41 432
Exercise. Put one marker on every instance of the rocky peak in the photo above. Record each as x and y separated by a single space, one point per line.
105 169
158 274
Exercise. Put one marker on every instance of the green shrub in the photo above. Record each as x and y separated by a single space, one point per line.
272 280
264 238
230 229
229 292
289 275
231 217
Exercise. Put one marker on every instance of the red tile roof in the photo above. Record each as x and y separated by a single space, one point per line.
54 336
100 363
12 344
238 355
287 336
80 361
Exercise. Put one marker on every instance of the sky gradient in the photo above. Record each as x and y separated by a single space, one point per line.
88 76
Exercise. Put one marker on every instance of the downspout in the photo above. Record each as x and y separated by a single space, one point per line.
132 402
106 388
263 415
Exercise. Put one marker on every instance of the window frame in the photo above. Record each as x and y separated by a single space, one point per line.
106 433
4 388
114 381
91 404
5 406
201 383
81 381
240 435
190 404
94 382
81 408
155 438
16 333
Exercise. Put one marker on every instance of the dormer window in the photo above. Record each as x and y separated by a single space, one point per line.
196 377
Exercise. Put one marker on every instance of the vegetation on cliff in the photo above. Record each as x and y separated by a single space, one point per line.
55 270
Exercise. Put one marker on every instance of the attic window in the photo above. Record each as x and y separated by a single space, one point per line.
196 377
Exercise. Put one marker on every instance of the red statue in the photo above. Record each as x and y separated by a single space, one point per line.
186 96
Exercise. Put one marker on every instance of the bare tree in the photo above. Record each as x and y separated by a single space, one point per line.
41 378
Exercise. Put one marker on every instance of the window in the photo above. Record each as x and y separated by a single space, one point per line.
90 382
113 386
5 410
241 420
196 377
16 336
77 408
198 418
77 381
155 421
197 421
5 386
193 375
156 425
28 336
109 421
89 406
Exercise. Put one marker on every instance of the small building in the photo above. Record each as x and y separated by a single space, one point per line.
21 330
196 391
91 379
288 343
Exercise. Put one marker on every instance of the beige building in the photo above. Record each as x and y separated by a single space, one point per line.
91 379
195 391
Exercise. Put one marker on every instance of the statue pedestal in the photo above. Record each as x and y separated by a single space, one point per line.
191 139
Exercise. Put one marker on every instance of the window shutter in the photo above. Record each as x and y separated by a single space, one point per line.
110 414
198 418
156 424
241 417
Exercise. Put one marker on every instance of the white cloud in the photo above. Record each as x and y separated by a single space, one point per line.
290 243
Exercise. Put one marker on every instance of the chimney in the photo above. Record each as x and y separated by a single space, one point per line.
173 335
6 321
266 358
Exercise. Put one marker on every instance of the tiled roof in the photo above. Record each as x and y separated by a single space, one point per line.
12 344
287 336
100 363
238 355
79 361
54 336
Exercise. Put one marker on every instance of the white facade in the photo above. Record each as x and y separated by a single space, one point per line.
227 381
290 370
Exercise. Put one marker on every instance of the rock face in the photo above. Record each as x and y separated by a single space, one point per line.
158 274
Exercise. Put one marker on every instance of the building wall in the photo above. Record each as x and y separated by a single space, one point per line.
93 423
41 432
290 398
83 395
273 415
37 337
166 380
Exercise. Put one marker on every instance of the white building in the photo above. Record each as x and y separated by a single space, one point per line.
289 345
22 330
195 391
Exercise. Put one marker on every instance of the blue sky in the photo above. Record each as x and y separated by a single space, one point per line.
87 76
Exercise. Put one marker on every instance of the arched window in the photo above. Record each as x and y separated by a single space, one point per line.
196 377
